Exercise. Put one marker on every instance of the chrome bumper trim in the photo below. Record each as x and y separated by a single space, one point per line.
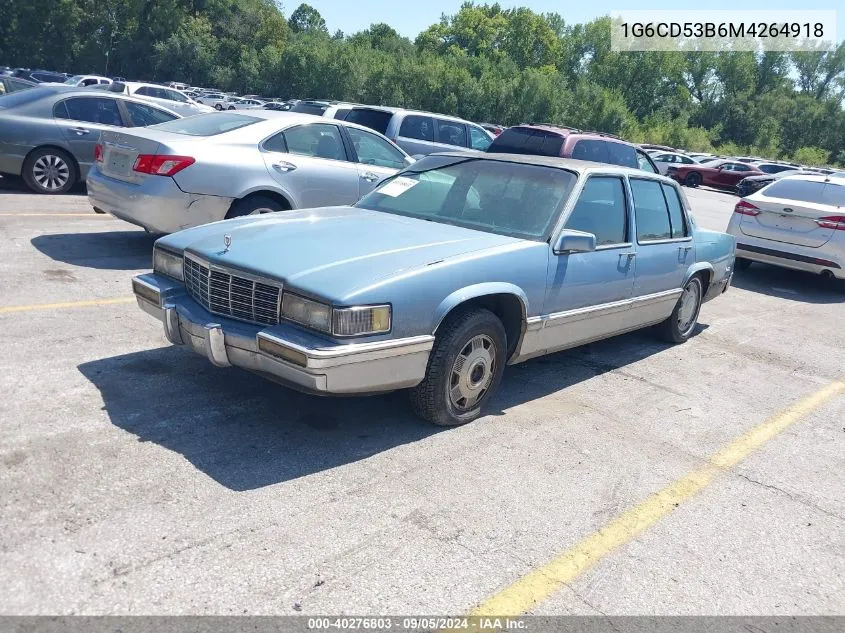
354 368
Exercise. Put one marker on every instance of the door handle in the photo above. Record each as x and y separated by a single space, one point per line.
284 167
629 256
685 249
369 176
80 131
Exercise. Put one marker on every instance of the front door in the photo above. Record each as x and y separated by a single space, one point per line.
588 294
82 119
665 249
376 158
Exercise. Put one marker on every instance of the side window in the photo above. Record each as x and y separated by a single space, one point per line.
144 91
373 150
650 210
418 127
342 113
676 212
621 154
143 115
478 138
593 150
686 160
172 95
742 168
89 109
276 143
90 82
601 210
451 133
319 140
644 163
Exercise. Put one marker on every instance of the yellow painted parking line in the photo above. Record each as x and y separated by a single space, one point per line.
66 304
539 584
53 215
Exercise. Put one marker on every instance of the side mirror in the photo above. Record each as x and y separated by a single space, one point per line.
571 241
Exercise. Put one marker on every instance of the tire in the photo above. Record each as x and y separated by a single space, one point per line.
50 170
693 180
453 393
740 263
678 328
253 205
218 107
231 107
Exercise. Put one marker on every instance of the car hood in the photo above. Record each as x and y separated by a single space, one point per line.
333 251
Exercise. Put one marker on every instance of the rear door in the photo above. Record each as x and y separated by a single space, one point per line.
82 120
591 149
790 211
311 163
665 249
416 135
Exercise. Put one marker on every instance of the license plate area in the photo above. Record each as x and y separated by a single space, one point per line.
118 162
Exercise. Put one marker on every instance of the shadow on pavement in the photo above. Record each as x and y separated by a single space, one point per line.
785 283
245 432
113 250
16 185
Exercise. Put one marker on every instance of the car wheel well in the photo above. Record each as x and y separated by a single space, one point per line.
273 195
509 310
55 147
706 277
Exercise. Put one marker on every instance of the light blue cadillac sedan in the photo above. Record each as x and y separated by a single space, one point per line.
459 265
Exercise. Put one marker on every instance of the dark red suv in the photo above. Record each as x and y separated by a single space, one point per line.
549 140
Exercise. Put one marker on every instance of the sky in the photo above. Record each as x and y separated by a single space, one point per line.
410 17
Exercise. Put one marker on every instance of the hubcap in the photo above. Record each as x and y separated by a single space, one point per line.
689 307
260 211
472 372
51 172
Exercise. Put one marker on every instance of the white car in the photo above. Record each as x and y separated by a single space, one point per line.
664 160
796 222
166 97
243 104
87 80
217 100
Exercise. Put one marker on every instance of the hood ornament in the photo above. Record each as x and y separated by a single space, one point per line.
227 242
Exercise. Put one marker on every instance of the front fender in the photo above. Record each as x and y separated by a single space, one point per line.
473 292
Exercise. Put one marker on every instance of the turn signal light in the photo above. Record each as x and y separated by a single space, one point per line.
161 165
744 207
835 222
98 153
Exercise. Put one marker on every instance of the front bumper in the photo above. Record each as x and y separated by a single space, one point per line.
283 353
155 204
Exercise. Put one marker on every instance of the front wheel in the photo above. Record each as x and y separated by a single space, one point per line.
678 328
253 205
231 107
218 107
464 369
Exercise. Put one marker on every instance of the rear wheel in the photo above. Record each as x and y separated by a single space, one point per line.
740 263
231 107
253 205
678 328
464 369
218 107
693 180
50 170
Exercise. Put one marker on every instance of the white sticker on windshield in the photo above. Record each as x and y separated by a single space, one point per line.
397 186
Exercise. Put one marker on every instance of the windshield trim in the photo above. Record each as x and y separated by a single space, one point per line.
459 160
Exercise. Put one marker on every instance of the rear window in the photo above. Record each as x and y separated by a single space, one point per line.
527 141
209 124
22 97
417 127
310 108
773 169
377 120
807 191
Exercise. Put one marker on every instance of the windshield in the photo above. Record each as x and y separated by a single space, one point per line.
507 198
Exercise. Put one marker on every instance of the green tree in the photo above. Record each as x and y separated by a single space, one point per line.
306 19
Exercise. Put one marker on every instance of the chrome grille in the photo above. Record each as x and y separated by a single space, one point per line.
221 292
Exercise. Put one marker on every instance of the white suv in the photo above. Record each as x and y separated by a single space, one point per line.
217 100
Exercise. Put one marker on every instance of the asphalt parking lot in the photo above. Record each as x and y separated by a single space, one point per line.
624 477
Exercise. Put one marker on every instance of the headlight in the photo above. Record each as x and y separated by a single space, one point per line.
167 263
306 312
361 320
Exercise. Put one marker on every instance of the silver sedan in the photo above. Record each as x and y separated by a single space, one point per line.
210 167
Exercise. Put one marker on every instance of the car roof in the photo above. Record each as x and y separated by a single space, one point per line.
571 164
837 180
569 131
